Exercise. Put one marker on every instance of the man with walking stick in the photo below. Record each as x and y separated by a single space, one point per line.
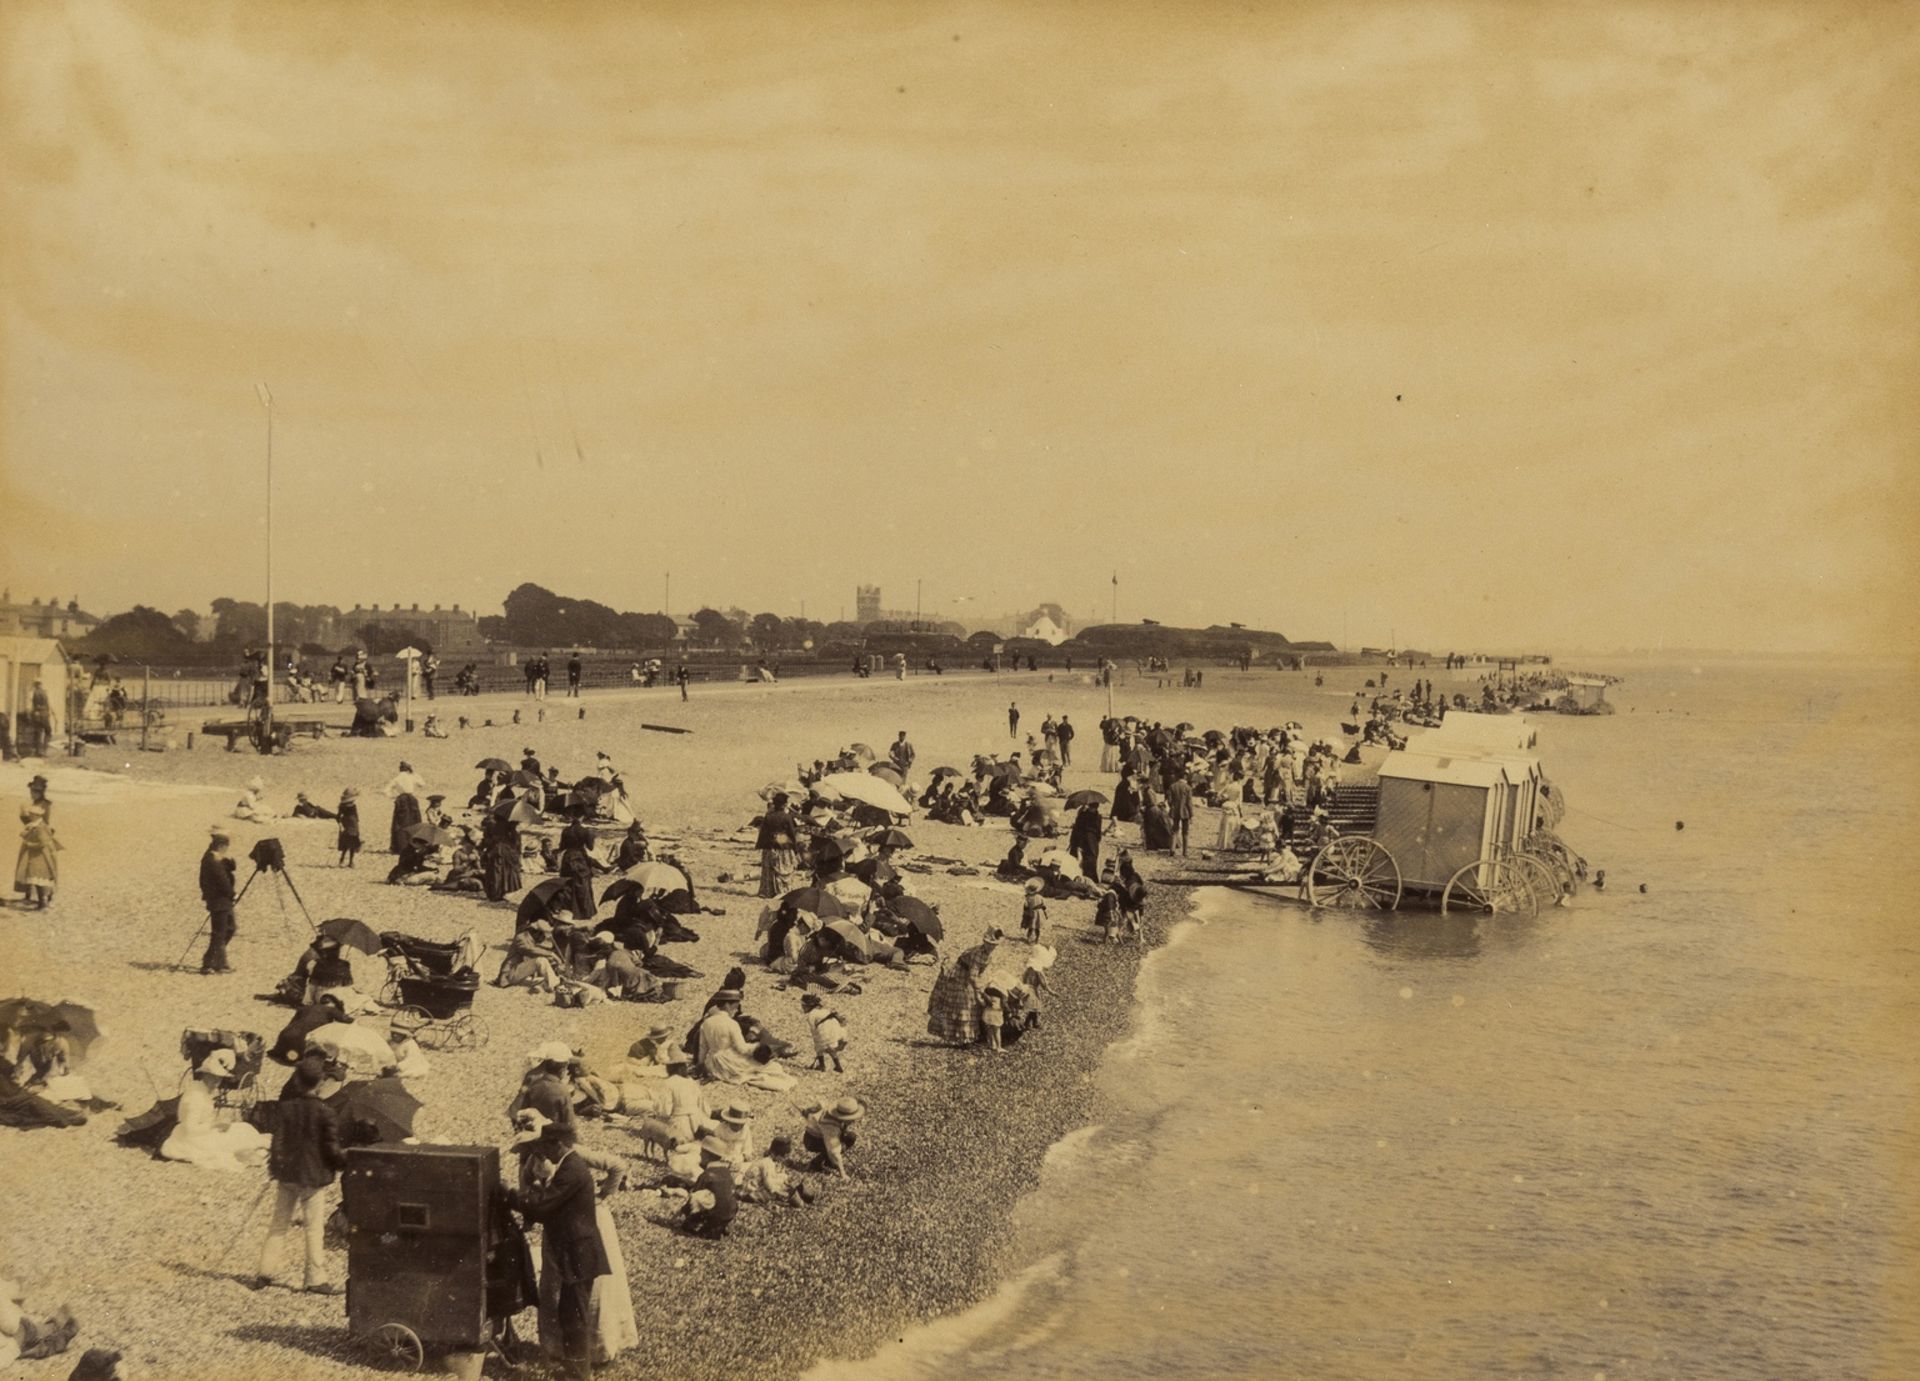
216 890
306 1156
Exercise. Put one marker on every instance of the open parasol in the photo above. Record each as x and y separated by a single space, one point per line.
361 1049
1060 861
432 836
351 934
150 1129
919 915
851 935
940 772
1046 789
887 772
538 901
383 1103
27 1014
518 811
867 789
890 838
494 765
647 879
1086 798
816 900
523 779
862 752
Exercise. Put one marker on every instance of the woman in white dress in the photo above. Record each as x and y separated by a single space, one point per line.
200 1137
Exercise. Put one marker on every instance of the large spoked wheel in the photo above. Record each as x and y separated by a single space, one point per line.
1354 874
395 1347
1548 847
1494 887
465 1032
418 1023
1549 889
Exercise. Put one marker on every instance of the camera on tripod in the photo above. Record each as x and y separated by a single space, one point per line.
268 856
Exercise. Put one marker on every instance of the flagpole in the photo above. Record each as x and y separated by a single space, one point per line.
266 401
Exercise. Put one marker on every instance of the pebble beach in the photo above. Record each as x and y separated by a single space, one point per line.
151 1255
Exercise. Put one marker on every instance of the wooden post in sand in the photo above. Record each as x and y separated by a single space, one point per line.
146 703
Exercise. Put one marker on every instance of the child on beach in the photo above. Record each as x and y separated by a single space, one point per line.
993 1016
1107 916
766 1181
1033 915
829 1032
349 813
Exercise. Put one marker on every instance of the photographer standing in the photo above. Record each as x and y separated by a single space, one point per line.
217 891
305 1157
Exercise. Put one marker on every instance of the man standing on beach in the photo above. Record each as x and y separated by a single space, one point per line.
573 677
216 890
1180 807
305 1157
902 755
564 1206
1013 721
1064 733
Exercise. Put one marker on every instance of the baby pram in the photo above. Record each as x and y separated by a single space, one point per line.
433 984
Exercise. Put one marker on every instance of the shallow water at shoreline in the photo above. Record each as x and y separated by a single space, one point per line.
1654 1134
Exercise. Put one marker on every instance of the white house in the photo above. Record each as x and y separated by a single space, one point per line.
1046 630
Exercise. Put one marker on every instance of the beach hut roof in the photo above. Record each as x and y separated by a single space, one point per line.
1452 771
24 649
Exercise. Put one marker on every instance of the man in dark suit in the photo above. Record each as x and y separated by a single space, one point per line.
564 1207
1180 807
217 891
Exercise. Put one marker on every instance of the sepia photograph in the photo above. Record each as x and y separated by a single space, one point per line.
891 692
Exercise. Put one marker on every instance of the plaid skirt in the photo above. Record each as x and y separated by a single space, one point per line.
953 1009
776 871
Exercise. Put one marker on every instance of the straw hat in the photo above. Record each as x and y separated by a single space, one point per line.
847 1109
350 793
727 995
713 1146
218 1063
1033 885
530 1125
734 1115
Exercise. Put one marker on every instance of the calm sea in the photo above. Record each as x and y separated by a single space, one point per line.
1651 1135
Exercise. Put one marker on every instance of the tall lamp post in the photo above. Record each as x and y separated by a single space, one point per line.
266 401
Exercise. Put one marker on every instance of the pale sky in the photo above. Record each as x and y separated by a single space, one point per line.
1476 325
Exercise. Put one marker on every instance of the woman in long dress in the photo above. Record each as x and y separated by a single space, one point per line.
36 872
778 854
726 1057
502 859
405 789
199 1137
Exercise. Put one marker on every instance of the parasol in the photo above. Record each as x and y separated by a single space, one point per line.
890 838
816 900
854 937
919 915
793 791
1060 861
538 901
517 812
360 1048
646 878
150 1129
25 1014
864 753
432 836
351 934
1086 798
1047 789
384 1103
524 779
494 765
940 772
887 772
868 790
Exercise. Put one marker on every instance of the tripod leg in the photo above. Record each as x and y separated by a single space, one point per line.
281 900
247 884
232 1242
302 900
192 939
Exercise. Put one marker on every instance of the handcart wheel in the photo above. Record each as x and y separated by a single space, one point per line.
1492 887
416 1022
397 1347
1354 873
390 994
